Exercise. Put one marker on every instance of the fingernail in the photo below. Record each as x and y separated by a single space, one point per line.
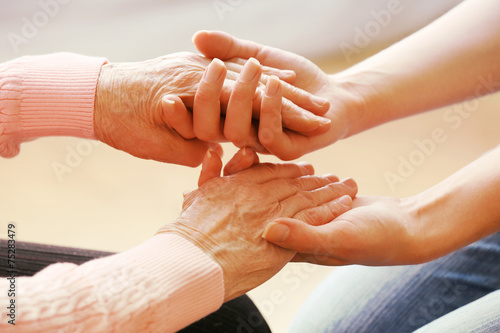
349 182
250 70
214 71
276 232
324 121
272 86
169 102
345 200
319 101
244 152
287 72
209 153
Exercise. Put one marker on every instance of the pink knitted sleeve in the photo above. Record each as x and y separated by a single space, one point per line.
46 95
161 285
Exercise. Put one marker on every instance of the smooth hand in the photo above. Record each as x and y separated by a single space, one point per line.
129 114
226 216
376 231
344 103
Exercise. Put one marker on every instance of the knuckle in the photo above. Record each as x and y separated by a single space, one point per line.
287 105
286 155
233 135
267 138
281 183
307 197
206 134
310 216
203 95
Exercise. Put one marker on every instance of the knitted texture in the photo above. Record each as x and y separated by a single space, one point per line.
45 96
161 285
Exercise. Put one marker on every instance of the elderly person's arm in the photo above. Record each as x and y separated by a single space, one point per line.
210 254
120 103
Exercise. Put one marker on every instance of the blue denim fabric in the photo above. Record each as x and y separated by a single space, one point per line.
459 289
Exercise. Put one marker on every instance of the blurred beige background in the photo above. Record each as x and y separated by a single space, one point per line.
112 201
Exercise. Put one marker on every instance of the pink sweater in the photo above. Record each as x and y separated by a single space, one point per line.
162 285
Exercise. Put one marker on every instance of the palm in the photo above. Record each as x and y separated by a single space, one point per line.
375 232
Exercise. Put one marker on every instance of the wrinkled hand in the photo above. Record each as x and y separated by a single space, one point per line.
283 143
376 231
226 216
128 107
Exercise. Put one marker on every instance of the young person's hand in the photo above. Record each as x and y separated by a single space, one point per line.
282 142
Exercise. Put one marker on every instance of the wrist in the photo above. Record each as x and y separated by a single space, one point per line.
103 95
350 105
419 213
372 98
438 223
210 248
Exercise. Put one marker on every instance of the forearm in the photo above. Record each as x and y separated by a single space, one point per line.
450 60
460 210
161 285
46 95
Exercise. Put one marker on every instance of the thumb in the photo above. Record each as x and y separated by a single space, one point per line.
211 166
177 116
243 159
299 236
218 44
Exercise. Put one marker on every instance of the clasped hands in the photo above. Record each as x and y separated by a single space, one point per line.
174 108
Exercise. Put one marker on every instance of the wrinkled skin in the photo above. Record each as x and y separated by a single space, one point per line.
129 116
226 216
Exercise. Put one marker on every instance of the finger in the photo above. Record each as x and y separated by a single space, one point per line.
333 178
280 142
264 172
206 107
224 46
309 199
318 259
287 187
177 116
217 148
315 104
325 213
218 44
294 117
285 75
270 127
243 159
301 237
301 98
236 65
238 121
210 168
185 152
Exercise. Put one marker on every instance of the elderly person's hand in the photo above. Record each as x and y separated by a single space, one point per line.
129 116
285 144
226 216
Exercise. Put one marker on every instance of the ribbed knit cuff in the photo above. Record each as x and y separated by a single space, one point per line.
194 281
185 284
161 285
46 96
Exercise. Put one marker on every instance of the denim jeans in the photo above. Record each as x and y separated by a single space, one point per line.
456 293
